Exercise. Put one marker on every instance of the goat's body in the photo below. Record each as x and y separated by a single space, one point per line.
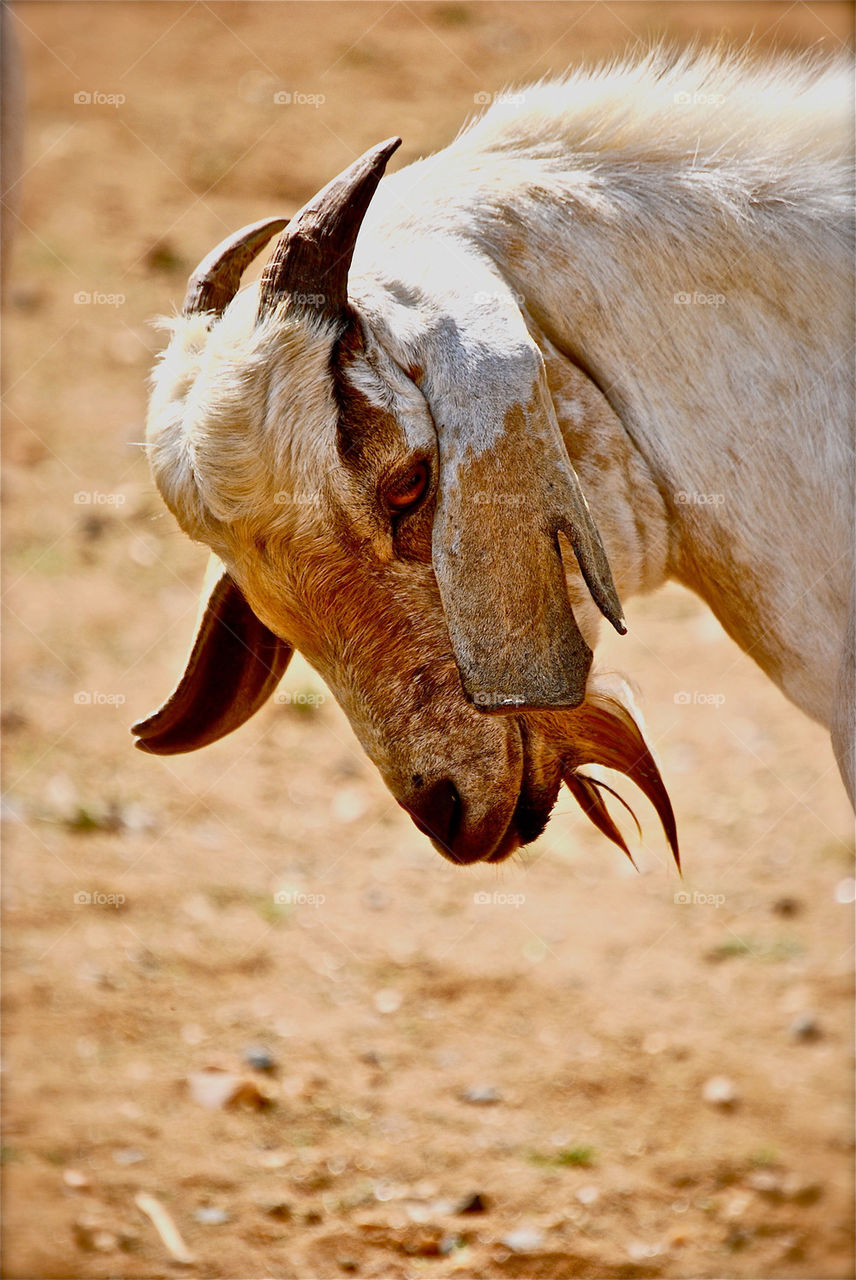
694 262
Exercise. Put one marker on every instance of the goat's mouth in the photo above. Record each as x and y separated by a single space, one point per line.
527 822
555 750
540 785
492 843
507 827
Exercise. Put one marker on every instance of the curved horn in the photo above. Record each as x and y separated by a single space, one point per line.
216 280
233 668
314 254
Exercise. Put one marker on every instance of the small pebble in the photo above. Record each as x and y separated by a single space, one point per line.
524 1240
766 1183
736 1205
388 1001
418 1212
91 1234
210 1215
162 256
805 1027
137 820
252 1095
738 1238
128 1155
76 1179
260 1058
719 1091
801 1192
278 1209
349 804
587 1194
845 891
216 1089
481 1095
272 1160
791 1248
787 907
638 1250
212 1089
476 1203
105 1242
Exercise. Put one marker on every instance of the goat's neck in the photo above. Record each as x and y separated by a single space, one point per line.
734 385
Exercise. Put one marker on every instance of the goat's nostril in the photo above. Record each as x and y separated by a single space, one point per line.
437 811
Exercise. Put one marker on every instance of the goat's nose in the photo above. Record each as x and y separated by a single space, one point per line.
437 810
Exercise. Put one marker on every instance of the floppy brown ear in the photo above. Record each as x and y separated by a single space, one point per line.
506 490
234 666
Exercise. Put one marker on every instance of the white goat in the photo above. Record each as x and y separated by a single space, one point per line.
633 283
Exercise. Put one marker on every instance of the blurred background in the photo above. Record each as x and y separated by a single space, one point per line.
241 983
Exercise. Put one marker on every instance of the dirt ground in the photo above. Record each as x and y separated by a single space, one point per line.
543 1036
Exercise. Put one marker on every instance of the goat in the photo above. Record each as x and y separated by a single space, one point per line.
630 284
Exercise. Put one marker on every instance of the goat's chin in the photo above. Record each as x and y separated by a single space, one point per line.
602 731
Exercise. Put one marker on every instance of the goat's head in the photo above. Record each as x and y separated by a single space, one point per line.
359 524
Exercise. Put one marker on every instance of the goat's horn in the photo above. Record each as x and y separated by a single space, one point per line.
216 280
311 260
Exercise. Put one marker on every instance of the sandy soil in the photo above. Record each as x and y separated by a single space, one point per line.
541 1035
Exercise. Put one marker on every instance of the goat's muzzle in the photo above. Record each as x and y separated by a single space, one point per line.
464 830
441 814
553 750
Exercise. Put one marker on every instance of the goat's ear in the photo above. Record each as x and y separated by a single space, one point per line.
506 491
234 666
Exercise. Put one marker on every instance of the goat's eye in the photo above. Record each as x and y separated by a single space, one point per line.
406 491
